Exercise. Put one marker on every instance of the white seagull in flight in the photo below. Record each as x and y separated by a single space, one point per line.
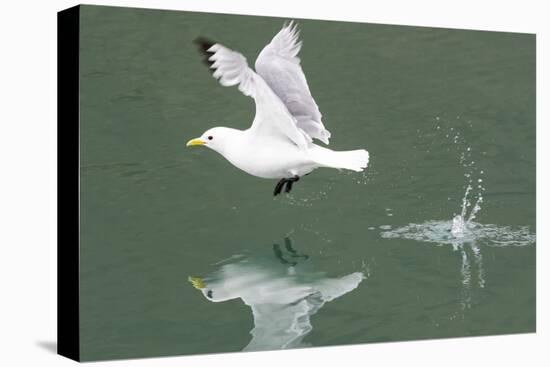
279 144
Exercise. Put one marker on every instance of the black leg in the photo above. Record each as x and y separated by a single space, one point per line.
288 245
282 182
279 187
289 248
288 186
290 181
279 255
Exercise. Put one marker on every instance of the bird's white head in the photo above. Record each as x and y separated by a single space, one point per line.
217 138
211 290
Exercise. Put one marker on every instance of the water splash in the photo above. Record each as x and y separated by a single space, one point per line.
307 199
456 232
461 223
462 232
463 228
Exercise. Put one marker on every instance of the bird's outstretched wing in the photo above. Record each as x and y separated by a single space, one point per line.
279 65
272 116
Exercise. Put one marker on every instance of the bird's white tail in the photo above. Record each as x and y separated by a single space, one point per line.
355 160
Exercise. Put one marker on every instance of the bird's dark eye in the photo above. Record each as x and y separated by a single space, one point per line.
210 137
209 294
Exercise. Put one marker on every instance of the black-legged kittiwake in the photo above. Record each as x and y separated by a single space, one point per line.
279 144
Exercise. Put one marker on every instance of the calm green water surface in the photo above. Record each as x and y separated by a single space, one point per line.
332 263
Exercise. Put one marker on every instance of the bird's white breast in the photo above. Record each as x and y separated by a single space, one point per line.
272 158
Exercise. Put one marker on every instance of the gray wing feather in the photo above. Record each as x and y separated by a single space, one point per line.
272 116
278 64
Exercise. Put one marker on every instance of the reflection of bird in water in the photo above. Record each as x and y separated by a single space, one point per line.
283 292
279 144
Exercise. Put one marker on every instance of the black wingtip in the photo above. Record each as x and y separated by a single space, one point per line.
204 45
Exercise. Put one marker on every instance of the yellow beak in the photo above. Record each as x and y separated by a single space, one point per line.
196 282
194 142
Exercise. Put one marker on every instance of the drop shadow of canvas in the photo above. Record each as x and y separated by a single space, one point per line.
282 289
48 345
